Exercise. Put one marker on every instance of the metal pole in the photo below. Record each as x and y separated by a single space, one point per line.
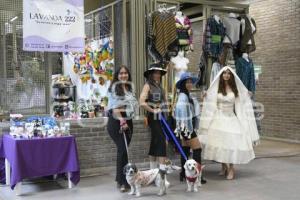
4 67
15 51
133 41
209 60
48 72
93 26
113 21
124 34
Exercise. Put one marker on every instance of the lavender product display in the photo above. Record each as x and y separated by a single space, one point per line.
38 127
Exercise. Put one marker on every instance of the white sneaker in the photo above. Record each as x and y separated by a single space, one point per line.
167 183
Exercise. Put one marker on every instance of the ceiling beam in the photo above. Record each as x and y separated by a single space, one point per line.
90 5
215 3
193 10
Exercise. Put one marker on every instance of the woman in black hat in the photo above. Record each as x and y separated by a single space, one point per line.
153 100
187 113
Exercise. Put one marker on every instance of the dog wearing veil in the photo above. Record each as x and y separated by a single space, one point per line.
227 125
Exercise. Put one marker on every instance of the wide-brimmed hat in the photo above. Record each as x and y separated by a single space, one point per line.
185 76
154 67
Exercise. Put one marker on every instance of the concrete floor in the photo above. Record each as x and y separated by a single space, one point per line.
275 174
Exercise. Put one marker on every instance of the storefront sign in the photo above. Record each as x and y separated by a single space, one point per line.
53 25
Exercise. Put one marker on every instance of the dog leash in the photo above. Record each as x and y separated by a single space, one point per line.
125 140
171 133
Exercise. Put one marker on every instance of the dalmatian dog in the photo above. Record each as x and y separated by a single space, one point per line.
137 179
193 173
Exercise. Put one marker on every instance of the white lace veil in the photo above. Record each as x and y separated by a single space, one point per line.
243 107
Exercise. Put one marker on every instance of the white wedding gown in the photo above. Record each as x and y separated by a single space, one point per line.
225 141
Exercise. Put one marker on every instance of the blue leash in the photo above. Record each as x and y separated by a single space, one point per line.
171 133
164 131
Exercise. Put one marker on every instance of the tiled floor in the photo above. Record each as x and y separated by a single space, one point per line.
262 179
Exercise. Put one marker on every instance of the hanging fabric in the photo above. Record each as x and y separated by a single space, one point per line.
156 57
245 71
184 31
248 29
213 37
232 26
163 31
202 70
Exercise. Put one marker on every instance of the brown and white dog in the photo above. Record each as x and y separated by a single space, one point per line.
193 173
137 179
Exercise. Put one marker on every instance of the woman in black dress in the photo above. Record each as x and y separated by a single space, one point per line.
153 100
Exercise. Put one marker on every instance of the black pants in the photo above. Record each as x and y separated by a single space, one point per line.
113 127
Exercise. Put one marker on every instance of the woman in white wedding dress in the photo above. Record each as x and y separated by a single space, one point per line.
227 125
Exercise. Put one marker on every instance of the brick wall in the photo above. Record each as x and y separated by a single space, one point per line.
194 57
96 150
278 52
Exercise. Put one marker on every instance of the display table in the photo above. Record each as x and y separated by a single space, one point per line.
2 165
38 157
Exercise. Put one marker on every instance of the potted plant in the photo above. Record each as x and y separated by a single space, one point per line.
73 106
91 110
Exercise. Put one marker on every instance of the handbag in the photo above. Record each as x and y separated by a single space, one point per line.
146 123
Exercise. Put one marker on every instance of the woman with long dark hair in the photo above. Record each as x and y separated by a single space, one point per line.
121 106
227 126
187 113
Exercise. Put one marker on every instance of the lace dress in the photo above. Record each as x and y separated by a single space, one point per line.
226 142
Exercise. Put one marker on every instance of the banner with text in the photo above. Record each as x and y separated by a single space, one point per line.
53 25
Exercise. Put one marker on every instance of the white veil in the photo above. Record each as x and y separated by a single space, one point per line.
243 107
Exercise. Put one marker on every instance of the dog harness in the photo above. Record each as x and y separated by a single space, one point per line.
193 179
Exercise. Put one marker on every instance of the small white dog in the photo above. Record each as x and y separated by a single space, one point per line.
193 173
136 179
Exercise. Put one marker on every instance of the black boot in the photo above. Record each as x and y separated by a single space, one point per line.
186 151
197 158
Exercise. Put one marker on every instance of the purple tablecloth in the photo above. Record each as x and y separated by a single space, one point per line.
2 161
40 157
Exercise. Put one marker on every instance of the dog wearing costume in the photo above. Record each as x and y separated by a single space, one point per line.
137 179
193 173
